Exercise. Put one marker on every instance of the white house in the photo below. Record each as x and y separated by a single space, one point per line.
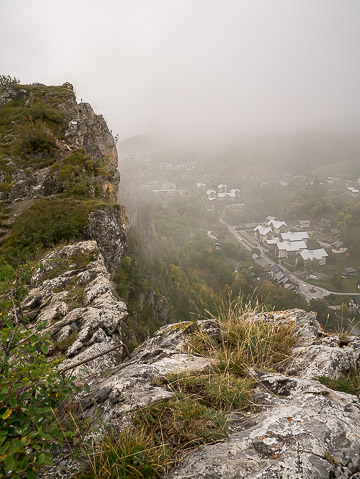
211 194
351 191
263 233
311 254
168 186
286 249
277 226
222 188
304 224
272 241
235 192
297 236
338 247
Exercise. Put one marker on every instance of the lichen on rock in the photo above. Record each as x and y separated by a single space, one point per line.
301 429
73 296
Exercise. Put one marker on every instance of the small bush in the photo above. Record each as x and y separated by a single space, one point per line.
46 223
34 138
6 81
31 389
46 113
78 173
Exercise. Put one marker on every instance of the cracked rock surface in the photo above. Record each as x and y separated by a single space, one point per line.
311 432
130 385
304 429
301 429
73 296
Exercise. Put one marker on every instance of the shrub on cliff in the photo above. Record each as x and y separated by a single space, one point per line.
46 223
33 137
31 388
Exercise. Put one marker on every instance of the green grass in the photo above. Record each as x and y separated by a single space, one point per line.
289 263
337 299
197 412
46 223
75 298
126 455
63 345
28 125
221 391
182 422
60 265
336 265
349 285
349 384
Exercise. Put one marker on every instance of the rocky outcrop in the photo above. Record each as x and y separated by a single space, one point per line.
106 226
304 431
89 131
58 148
73 297
130 385
80 128
301 429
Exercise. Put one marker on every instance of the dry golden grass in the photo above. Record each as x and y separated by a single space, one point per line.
130 454
197 413
246 340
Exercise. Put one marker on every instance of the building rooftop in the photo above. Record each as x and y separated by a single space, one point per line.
298 236
310 254
276 224
263 230
291 245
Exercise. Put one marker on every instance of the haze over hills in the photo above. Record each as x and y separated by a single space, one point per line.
200 318
262 156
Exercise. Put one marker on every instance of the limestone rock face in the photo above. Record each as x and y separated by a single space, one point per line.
129 386
302 429
106 226
318 353
91 133
73 296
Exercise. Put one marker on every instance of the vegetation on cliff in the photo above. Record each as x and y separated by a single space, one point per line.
50 182
237 343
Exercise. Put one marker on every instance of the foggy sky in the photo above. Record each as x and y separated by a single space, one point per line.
198 68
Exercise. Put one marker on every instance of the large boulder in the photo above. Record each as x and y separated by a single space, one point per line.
299 427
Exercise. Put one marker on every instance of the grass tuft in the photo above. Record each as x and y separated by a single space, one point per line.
197 412
245 341
220 391
127 455
182 422
349 384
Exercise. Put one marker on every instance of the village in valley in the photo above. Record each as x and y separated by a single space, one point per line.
308 255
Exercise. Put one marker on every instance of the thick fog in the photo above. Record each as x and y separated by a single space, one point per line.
194 68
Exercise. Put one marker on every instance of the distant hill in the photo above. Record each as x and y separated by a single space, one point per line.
263 157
